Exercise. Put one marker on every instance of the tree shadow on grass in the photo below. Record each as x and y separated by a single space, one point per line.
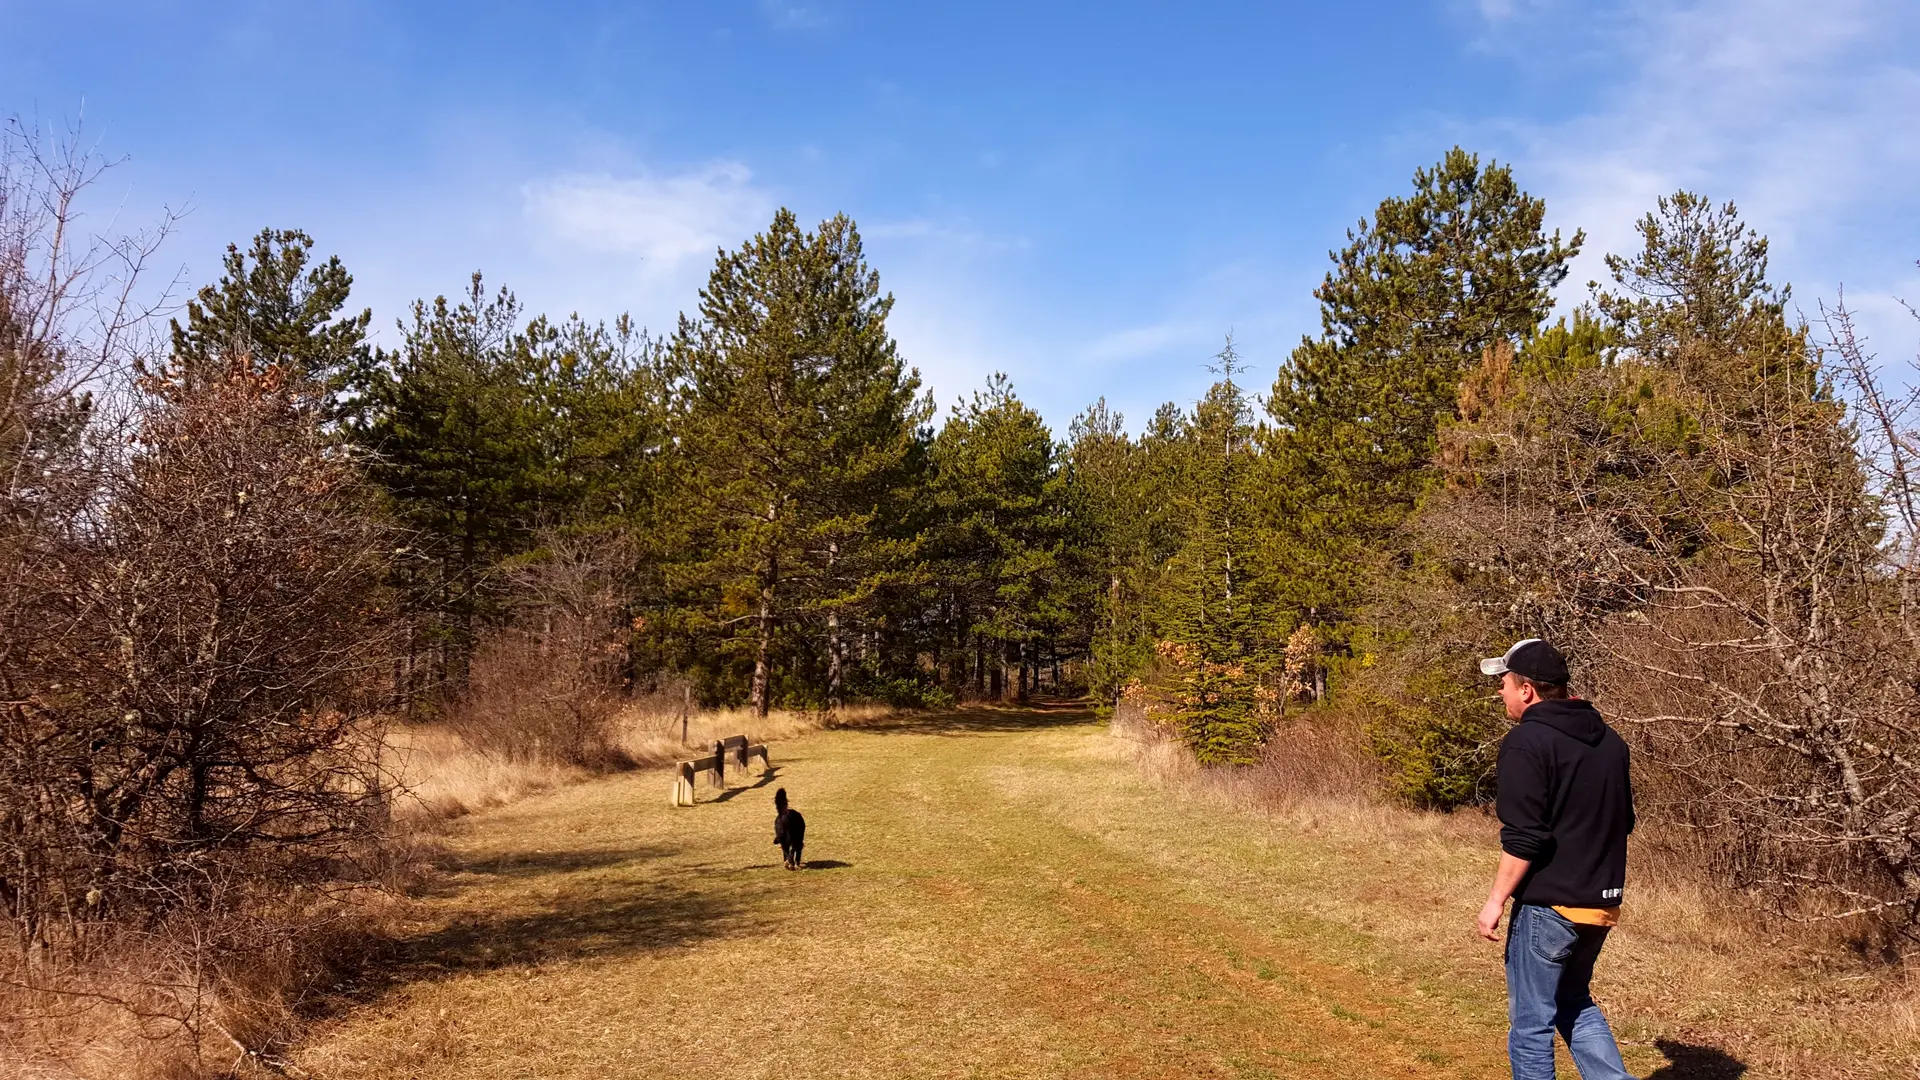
1688 1062
595 921
640 918
983 720
541 863
645 918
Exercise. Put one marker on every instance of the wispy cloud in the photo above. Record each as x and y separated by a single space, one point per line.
1151 339
1803 114
793 15
665 221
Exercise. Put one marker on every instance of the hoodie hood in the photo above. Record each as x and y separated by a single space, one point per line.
1572 717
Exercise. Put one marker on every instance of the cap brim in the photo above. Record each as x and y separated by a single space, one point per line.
1493 665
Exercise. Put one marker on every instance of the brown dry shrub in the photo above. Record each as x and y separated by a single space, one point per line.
535 698
220 991
546 686
1316 755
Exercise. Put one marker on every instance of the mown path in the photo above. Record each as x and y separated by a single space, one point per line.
992 893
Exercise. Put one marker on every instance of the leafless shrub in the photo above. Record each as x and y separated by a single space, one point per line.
1705 538
187 777
547 686
194 781
1317 755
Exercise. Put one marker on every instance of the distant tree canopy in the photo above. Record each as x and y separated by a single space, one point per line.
802 533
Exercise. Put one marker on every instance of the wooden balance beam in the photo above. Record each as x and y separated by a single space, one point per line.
735 749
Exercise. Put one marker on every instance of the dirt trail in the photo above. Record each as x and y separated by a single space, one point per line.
992 893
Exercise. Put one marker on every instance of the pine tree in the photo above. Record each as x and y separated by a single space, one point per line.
1208 597
796 422
999 537
273 305
1111 515
1696 294
599 401
455 439
1413 301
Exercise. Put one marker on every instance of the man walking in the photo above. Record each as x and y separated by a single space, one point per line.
1566 807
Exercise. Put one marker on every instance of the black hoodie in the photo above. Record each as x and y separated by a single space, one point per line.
1566 805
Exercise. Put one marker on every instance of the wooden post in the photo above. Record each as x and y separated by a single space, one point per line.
683 784
720 765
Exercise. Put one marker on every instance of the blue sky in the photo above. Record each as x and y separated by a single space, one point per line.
1087 196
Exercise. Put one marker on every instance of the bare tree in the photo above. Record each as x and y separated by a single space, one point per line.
190 620
547 684
1708 537
71 330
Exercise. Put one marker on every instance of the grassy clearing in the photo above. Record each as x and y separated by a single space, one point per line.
1001 893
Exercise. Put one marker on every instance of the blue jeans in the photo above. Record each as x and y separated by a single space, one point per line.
1549 968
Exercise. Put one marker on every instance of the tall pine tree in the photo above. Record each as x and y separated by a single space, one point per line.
455 439
998 538
1208 618
797 422
1414 299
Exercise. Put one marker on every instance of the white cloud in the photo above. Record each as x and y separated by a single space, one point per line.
1802 114
1152 339
666 221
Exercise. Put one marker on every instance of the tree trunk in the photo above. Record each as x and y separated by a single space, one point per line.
469 558
763 647
979 667
835 691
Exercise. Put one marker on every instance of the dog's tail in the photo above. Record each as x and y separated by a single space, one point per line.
780 799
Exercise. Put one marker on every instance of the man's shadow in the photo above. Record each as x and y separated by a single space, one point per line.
1689 1062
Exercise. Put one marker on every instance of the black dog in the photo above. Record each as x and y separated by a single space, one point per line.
789 830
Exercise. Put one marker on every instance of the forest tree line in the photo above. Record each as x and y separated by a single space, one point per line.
230 545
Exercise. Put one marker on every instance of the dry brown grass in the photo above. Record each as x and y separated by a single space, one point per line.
1695 963
139 1013
196 997
985 899
1011 894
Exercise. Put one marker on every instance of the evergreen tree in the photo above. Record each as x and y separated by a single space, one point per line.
598 397
1111 513
455 438
1696 295
999 538
797 422
277 307
1414 299
1209 605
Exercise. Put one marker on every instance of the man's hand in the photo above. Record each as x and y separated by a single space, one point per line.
1489 924
1505 880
